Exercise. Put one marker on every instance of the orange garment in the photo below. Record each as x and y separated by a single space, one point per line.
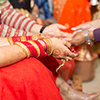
72 12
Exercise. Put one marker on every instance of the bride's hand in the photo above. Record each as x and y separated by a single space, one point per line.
60 49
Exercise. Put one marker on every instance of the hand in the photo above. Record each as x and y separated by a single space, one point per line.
60 49
40 21
77 38
48 21
88 26
55 30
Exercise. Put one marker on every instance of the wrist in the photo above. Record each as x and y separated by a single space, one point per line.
87 36
90 35
36 28
36 15
42 29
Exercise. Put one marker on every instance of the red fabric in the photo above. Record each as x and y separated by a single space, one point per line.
28 79
66 70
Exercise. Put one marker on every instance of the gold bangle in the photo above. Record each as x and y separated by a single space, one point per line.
36 47
23 38
27 15
44 46
10 40
49 43
27 51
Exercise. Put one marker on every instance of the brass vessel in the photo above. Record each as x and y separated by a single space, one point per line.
85 63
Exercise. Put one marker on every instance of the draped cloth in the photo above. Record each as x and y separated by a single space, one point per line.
28 79
72 12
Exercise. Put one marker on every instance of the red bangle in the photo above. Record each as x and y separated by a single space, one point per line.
31 48
42 51
46 47
28 38
16 39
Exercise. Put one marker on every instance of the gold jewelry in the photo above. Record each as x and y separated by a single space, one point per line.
63 62
48 44
27 15
27 51
44 46
36 47
23 38
10 40
51 46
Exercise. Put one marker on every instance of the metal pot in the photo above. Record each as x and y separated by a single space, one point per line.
85 63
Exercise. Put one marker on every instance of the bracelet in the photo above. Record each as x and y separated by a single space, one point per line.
42 29
34 13
88 41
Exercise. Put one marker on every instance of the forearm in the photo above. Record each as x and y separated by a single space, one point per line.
7 31
90 35
11 54
35 9
16 20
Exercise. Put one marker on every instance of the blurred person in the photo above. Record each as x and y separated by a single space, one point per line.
45 13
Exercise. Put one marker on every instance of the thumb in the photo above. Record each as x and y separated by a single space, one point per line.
81 27
94 95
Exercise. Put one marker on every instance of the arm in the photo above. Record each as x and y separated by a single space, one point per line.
6 31
16 20
78 38
10 54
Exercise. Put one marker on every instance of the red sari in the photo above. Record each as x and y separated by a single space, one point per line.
29 79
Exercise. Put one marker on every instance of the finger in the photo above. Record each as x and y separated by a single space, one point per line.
71 54
94 95
68 44
81 27
68 58
77 31
62 26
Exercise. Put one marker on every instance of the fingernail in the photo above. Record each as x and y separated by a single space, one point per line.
79 31
74 32
65 34
73 28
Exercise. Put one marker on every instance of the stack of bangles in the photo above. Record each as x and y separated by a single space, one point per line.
40 47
